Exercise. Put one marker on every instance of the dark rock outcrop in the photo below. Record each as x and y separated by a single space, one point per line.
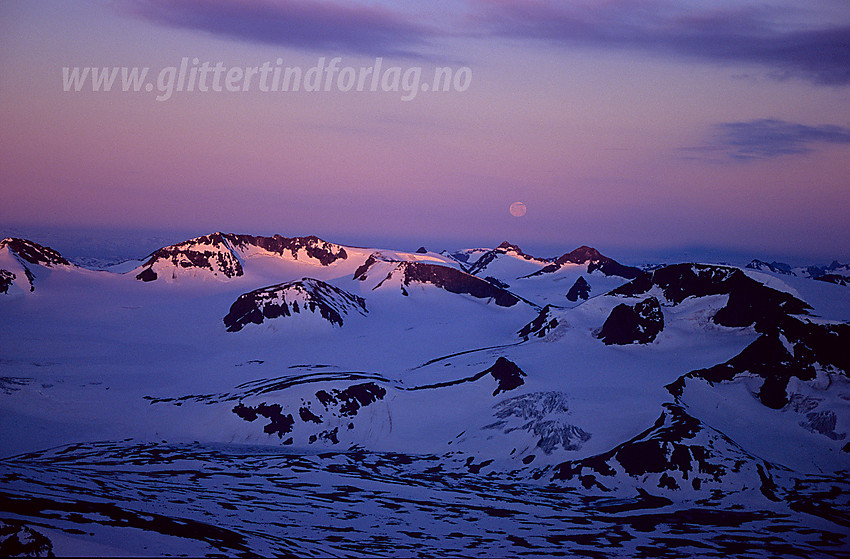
6 279
146 275
507 374
361 272
680 281
278 422
19 540
638 324
510 247
579 290
349 400
541 325
34 253
286 299
22 255
339 406
497 282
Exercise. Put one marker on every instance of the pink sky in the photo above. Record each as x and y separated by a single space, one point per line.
617 125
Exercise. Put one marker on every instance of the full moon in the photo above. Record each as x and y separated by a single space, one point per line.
518 209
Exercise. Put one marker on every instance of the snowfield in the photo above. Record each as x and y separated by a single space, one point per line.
246 395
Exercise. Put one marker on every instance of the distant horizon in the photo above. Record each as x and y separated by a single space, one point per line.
130 244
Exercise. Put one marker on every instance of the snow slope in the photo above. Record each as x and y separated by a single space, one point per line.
455 396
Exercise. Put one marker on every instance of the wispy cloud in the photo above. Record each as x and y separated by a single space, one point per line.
765 139
820 54
333 27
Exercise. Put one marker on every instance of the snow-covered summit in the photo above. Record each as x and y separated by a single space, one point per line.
221 255
293 298
506 249
34 253
561 281
594 260
402 274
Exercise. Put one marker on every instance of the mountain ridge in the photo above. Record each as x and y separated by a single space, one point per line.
220 253
691 404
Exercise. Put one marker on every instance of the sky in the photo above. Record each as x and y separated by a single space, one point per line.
628 125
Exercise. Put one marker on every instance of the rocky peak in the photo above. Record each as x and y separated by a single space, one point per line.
444 277
208 252
34 253
291 298
455 281
505 248
314 247
582 255
594 261
508 246
220 253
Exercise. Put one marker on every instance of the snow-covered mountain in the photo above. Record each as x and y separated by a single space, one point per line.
221 255
585 271
33 253
291 298
836 272
594 260
18 259
477 260
289 396
402 273
508 258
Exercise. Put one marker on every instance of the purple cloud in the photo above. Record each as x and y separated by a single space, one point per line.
302 24
744 35
768 138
